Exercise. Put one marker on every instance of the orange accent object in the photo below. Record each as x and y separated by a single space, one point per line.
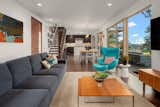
2 37
18 40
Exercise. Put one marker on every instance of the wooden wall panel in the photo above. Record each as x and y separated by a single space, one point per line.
36 28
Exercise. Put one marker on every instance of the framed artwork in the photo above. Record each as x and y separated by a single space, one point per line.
11 30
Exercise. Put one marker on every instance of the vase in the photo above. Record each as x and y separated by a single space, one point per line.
99 84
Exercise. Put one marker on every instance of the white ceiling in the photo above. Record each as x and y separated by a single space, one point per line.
79 16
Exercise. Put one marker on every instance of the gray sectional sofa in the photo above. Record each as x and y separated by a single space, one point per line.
25 83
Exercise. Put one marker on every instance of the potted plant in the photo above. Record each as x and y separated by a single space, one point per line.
124 68
125 60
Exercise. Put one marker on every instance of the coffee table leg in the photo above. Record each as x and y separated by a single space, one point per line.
133 100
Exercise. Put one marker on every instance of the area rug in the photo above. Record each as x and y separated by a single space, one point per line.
66 95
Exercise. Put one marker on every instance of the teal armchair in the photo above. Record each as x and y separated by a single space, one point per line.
107 52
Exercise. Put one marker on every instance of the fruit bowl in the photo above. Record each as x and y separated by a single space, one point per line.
100 76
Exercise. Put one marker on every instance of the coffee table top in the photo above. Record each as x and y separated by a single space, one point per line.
87 86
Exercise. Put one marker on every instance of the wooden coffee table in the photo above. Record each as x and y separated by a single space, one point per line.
87 87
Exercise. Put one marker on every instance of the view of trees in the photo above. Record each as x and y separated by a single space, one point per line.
115 36
113 39
143 46
147 44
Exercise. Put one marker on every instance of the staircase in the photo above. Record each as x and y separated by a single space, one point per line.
53 40
62 39
56 41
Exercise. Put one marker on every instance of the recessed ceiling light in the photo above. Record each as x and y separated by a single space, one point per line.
49 19
39 4
109 4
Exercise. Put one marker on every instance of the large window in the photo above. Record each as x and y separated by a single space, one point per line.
139 43
134 40
139 32
115 35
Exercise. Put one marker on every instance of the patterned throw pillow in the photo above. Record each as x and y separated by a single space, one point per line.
55 59
46 64
52 59
108 60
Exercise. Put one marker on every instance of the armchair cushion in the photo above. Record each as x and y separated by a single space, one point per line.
108 60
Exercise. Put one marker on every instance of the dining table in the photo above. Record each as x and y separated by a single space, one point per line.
86 54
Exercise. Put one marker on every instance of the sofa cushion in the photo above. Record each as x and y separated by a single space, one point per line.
58 70
53 71
36 62
23 98
20 70
43 55
60 66
40 82
5 79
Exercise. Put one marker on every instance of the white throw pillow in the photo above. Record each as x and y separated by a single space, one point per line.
46 64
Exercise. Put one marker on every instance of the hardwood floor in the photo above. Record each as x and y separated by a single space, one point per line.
74 65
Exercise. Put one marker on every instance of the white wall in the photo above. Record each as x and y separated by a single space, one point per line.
45 30
155 54
10 51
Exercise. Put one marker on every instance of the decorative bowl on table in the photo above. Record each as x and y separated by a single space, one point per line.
100 77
